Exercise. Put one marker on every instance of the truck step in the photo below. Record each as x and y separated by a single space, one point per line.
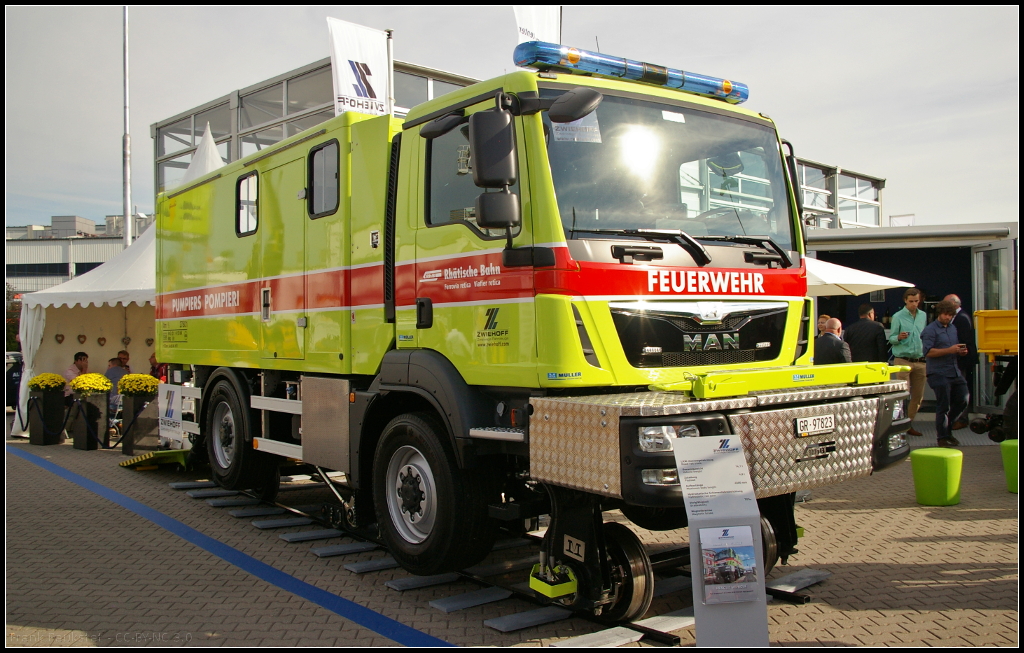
282 523
601 639
342 549
419 582
261 511
378 564
309 536
471 599
513 622
191 485
207 494
504 433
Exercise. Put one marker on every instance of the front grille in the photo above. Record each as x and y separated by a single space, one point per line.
699 358
747 334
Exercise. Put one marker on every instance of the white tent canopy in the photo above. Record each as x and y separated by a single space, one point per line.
205 160
825 279
105 306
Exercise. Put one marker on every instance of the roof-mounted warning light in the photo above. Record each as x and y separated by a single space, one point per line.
545 56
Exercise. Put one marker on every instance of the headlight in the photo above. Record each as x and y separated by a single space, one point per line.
897 440
659 476
656 438
899 411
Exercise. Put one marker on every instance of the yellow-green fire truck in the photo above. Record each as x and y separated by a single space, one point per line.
510 304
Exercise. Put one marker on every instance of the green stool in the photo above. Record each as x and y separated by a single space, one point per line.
937 475
1009 449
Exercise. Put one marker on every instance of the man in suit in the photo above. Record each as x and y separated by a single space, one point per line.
867 338
965 334
829 348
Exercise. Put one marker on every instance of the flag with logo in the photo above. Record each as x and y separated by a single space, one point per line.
538 23
359 59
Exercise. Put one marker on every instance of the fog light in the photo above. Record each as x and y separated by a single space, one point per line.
659 476
688 431
656 438
897 440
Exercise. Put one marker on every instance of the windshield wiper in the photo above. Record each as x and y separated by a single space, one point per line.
686 241
765 242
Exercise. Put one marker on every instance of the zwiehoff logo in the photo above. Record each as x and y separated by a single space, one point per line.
491 335
728 444
363 74
365 99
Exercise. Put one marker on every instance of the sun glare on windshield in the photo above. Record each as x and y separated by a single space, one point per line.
640 148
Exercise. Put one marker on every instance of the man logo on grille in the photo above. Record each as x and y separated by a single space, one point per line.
363 74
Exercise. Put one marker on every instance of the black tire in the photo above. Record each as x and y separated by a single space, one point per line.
656 519
432 515
234 464
632 570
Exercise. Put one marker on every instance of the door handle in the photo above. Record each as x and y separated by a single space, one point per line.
424 313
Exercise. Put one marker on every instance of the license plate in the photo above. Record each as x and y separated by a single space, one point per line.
814 425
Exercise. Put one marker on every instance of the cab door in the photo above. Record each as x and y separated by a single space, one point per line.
477 312
282 255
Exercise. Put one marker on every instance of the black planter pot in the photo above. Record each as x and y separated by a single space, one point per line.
139 429
90 420
46 417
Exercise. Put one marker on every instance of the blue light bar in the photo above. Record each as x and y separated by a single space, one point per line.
544 56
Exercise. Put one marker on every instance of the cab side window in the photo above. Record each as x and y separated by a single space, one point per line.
451 193
246 204
323 180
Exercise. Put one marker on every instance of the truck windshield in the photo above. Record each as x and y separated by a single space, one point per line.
636 164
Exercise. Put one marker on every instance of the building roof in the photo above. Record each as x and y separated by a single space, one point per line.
936 235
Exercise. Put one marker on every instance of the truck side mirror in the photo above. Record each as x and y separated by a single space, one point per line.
497 210
492 143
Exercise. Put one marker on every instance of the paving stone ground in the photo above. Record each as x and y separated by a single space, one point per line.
82 571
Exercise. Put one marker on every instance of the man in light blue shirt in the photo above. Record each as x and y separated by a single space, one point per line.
907 325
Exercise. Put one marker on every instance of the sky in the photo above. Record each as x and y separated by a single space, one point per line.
926 98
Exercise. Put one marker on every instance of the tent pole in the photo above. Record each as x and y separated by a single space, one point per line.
127 147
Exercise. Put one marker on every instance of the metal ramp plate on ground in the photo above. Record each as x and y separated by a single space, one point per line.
191 485
471 599
259 511
798 580
309 536
264 524
513 622
670 621
342 549
497 568
378 564
209 494
618 636
233 502
419 582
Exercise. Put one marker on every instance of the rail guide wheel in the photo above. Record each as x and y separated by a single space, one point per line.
632 574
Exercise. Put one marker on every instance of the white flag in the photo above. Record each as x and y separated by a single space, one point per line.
359 58
539 23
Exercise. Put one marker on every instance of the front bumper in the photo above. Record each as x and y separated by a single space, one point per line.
590 443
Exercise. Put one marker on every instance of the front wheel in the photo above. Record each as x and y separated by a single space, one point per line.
432 515
234 464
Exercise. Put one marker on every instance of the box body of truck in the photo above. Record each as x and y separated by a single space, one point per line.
342 299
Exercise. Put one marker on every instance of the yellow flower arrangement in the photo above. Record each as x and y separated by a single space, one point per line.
46 381
88 384
137 385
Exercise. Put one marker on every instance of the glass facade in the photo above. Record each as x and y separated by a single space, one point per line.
835 198
252 119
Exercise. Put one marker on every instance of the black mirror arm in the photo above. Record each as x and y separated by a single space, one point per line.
528 103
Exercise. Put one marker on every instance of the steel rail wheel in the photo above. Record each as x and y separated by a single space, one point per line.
769 545
632 573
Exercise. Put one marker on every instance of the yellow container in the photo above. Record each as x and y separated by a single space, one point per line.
997 332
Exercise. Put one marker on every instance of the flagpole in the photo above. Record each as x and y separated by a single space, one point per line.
127 147
391 74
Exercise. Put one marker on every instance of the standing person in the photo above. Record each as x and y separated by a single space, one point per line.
905 338
157 370
123 355
822 319
80 366
829 348
867 338
114 373
965 334
942 350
